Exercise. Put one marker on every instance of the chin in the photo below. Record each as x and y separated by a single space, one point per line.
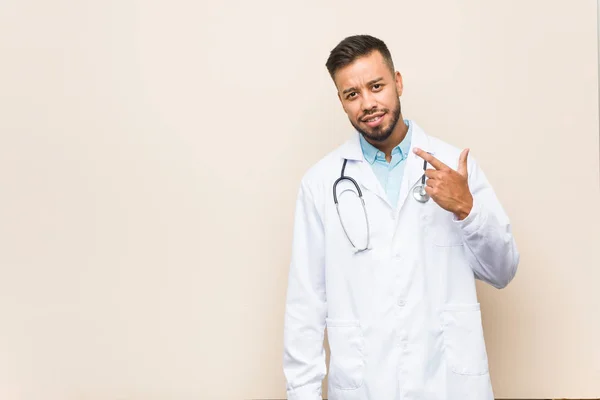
381 135
380 138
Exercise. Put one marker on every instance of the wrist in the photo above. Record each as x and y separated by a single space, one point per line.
464 210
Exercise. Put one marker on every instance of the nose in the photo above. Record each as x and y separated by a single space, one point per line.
368 102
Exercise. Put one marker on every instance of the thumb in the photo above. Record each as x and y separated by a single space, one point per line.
462 163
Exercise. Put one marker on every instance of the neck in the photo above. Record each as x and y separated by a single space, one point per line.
394 140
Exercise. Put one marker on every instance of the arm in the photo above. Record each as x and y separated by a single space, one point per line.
304 355
489 243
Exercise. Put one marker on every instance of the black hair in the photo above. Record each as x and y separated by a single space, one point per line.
354 47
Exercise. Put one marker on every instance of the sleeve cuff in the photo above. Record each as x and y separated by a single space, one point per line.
308 392
474 220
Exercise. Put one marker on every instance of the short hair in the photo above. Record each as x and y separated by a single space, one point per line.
354 47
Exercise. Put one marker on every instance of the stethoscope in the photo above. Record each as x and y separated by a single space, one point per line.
337 206
418 191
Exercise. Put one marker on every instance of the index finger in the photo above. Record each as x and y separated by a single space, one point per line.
435 163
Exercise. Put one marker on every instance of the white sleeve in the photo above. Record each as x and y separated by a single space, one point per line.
305 310
488 238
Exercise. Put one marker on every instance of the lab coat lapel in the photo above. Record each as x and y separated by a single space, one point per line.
414 164
359 169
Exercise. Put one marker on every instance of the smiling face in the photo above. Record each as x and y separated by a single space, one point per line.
369 92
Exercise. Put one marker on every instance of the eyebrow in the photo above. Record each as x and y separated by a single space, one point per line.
353 89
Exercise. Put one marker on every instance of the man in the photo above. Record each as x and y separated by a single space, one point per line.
393 278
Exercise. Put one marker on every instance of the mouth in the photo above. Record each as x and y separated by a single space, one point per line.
373 120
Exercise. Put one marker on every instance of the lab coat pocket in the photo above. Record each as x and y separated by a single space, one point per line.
464 344
346 343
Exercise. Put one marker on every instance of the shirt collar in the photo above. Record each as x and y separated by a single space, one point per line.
372 153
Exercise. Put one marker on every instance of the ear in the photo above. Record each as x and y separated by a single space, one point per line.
337 89
342 102
399 84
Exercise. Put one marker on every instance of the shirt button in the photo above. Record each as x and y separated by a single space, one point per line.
401 303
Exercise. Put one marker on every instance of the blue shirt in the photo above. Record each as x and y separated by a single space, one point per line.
389 174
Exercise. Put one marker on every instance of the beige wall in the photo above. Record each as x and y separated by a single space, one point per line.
150 154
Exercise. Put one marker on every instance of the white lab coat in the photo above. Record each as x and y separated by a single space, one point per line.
403 320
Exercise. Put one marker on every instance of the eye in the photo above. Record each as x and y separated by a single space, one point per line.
377 86
351 95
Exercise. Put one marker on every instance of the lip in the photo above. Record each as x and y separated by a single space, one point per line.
376 122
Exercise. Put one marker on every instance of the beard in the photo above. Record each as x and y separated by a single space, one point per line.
380 133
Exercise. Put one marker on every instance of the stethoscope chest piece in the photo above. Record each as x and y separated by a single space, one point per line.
420 194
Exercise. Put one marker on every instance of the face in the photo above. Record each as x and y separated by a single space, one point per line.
369 92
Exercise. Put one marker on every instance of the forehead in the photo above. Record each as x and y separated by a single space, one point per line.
362 70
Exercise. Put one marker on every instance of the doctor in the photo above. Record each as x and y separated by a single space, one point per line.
393 278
